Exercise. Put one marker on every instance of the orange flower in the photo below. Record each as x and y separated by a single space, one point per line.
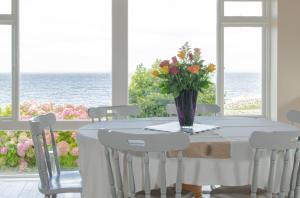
194 69
165 69
211 67
154 73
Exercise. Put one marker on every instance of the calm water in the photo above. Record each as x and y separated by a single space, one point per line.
95 89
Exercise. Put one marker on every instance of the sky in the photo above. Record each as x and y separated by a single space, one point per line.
60 36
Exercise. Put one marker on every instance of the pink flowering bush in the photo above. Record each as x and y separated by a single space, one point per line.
62 112
17 149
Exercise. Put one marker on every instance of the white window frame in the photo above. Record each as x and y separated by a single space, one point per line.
13 20
245 21
120 58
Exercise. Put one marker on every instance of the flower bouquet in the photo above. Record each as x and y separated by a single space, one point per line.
184 77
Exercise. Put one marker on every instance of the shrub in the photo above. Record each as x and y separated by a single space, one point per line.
17 150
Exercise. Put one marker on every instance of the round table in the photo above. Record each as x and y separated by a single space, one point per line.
232 170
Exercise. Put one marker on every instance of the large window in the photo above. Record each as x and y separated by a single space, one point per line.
5 70
158 28
76 53
243 57
5 7
66 57
243 70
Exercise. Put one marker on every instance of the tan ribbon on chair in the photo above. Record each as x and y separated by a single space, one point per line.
218 150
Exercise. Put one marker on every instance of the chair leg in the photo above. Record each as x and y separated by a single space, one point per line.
53 196
47 196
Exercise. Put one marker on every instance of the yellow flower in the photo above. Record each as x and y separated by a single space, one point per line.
165 69
181 54
154 73
211 67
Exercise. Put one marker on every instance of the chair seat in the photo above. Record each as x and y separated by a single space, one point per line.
170 193
66 182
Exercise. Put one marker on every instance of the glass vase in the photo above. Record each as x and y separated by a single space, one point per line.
186 107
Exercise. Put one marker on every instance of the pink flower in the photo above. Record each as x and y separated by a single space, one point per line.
75 151
23 165
74 134
174 70
164 63
48 137
3 150
67 112
63 148
21 150
174 60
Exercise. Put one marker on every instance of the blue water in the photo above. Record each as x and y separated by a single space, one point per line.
95 89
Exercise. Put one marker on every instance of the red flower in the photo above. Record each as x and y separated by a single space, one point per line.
164 63
174 70
174 60
191 56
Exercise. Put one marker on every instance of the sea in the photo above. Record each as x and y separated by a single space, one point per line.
95 89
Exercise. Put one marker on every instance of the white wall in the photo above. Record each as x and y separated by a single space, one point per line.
288 71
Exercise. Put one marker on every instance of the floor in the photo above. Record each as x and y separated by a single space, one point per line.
24 188
28 188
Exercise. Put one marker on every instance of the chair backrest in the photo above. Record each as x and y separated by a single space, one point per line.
208 109
171 109
143 143
285 142
115 112
39 125
125 111
98 113
200 109
293 116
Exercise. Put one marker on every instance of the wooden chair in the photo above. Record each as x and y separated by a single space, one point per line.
125 111
51 183
98 113
275 142
205 109
208 109
113 112
293 116
143 144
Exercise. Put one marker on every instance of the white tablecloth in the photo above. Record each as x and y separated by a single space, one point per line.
233 171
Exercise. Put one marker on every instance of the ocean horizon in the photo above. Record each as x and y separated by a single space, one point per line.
94 89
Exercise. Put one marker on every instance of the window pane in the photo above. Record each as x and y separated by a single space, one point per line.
243 66
232 8
5 7
157 29
66 56
5 70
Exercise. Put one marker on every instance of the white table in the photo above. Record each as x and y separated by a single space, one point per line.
233 171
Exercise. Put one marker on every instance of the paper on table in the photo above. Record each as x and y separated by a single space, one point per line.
175 127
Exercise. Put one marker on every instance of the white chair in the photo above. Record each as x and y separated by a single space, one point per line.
143 144
113 112
125 111
275 142
293 117
204 109
98 113
51 183
208 109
